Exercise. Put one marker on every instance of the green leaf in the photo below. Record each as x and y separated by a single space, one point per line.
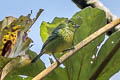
46 28
55 75
14 77
3 62
15 63
28 78
32 69
114 64
80 67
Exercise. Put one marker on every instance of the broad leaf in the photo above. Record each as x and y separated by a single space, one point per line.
14 77
32 69
114 64
80 67
46 28
56 74
15 63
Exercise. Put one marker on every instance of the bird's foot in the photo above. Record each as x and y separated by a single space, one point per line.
57 60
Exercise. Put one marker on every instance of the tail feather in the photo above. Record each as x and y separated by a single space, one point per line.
36 58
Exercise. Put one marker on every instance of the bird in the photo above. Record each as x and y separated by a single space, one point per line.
60 40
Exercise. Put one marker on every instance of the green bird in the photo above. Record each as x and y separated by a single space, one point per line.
59 40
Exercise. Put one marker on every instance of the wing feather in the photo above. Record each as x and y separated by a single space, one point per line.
54 35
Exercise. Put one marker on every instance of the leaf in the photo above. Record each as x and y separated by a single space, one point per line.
55 75
80 64
4 27
32 69
114 64
14 78
28 78
27 69
19 27
7 21
46 28
14 64
3 62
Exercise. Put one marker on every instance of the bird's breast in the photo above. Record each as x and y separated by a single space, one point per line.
68 35
60 43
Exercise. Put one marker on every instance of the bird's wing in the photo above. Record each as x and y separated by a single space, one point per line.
54 35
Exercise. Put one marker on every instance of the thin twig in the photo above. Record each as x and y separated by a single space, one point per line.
80 45
37 16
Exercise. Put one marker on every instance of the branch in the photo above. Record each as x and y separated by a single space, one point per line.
80 45
37 16
97 4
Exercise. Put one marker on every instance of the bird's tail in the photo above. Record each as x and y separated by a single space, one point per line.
36 58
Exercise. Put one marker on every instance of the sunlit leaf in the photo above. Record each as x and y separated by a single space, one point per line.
31 69
114 64
15 63
80 67
46 28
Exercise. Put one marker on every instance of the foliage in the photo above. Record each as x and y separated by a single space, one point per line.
15 44
46 27
86 62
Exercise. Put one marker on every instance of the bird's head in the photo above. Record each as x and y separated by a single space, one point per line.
73 25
